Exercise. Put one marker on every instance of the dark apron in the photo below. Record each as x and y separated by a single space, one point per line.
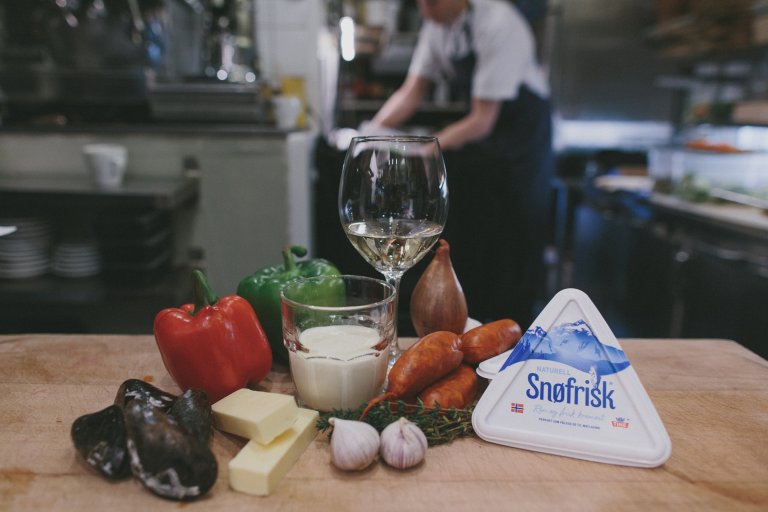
499 202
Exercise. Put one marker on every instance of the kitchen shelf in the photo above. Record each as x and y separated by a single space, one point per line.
50 289
80 193
750 52
711 32
134 229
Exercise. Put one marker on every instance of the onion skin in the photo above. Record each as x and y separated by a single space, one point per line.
438 302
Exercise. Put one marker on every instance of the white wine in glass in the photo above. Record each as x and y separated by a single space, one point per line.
393 202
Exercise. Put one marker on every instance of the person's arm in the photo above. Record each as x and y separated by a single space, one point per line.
476 125
403 103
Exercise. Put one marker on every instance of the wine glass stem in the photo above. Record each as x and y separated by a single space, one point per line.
394 280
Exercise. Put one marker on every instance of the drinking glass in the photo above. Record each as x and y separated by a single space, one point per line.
393 202
339 340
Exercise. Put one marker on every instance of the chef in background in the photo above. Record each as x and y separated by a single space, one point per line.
498 153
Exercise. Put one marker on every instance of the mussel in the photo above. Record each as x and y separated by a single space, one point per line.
165 456
101 440
161 438
135 389
192 410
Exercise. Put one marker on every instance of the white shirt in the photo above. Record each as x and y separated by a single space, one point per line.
504 49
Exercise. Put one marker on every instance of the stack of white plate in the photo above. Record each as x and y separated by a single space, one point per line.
25 252
76 259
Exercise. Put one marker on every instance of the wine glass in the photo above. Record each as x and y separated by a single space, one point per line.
393 203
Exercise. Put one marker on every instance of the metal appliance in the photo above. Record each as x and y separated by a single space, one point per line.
91 60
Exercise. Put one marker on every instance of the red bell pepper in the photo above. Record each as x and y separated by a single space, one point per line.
215 344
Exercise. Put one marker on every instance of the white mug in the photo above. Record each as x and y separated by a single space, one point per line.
106 164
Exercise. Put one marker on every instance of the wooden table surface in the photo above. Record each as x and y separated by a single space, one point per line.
711 394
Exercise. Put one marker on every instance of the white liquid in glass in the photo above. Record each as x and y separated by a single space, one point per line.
341 368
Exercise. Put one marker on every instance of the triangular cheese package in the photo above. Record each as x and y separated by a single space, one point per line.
567 388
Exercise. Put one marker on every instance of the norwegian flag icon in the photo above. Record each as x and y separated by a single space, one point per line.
518 408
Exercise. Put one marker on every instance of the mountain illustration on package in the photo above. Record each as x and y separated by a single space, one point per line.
568 388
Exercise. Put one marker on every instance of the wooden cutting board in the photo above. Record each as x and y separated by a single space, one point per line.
711 394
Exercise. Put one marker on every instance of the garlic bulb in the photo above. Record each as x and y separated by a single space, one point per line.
354 444
403 444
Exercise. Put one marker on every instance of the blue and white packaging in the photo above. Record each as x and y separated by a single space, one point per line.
567 388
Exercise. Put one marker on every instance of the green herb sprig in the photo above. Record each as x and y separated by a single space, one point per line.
439 425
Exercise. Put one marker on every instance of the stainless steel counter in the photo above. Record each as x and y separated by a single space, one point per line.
659 265
743 219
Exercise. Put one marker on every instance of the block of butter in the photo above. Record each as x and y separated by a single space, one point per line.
255 415
257 469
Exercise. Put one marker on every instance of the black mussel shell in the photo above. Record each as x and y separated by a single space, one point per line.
135 389
192 410
100 438
164 456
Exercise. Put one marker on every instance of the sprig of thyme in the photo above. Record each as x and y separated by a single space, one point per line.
440 426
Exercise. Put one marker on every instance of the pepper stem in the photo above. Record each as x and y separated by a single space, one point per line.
288 253
204 296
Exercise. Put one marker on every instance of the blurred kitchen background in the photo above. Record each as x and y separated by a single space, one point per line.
661 115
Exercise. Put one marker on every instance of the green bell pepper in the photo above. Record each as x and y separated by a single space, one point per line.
262 290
